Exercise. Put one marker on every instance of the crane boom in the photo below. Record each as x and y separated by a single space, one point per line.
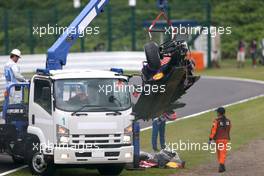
57 54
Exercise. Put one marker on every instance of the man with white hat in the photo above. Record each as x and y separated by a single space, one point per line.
12 70
12 75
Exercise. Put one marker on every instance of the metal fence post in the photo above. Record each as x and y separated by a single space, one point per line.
82 44
6 36
169 12
82 41
208 14
109 27
31 37
133 29
55 18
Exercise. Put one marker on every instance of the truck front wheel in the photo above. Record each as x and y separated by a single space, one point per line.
37 162
39 166
110 170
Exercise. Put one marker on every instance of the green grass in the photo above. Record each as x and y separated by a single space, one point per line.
229 69
247 126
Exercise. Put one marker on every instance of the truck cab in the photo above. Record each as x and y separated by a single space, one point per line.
79 117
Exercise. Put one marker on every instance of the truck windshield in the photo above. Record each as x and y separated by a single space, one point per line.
92 95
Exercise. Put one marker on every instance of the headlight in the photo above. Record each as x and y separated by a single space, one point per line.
128 134
127 139
128 129
62 130
62 135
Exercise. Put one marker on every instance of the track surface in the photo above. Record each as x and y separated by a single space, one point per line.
207 93
210 93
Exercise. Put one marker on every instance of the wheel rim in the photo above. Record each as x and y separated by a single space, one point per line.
38 162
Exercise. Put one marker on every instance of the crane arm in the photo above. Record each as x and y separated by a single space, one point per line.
57 54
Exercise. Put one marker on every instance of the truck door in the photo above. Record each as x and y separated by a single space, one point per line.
41 109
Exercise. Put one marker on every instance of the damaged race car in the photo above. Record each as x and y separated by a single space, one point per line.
167 65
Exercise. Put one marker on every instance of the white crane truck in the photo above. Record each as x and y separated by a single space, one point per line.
76 117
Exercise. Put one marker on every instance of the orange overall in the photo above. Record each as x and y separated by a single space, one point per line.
220 132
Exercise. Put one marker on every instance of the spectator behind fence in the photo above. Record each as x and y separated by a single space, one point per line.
262 52
253 53
241 54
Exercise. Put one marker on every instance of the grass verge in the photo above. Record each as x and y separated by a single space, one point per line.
229 69
247 126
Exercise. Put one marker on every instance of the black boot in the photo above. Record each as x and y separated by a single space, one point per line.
221 168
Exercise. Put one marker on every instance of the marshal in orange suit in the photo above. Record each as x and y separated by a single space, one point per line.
220 133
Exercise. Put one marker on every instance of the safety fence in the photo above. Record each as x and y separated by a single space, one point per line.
95 60
33 27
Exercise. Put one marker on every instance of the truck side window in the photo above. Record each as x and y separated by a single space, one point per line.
42 94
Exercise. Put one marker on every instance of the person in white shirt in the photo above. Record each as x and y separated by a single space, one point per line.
13 75
12 65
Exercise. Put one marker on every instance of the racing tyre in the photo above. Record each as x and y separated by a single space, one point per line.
152 55
110 170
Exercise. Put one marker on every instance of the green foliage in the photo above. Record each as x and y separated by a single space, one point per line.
245 18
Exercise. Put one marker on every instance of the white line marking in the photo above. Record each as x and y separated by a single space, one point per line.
189 116
13 170
234 79
227 105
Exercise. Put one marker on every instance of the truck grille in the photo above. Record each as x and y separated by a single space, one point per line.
89 154
94 139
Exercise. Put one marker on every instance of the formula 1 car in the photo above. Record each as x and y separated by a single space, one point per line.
167 65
